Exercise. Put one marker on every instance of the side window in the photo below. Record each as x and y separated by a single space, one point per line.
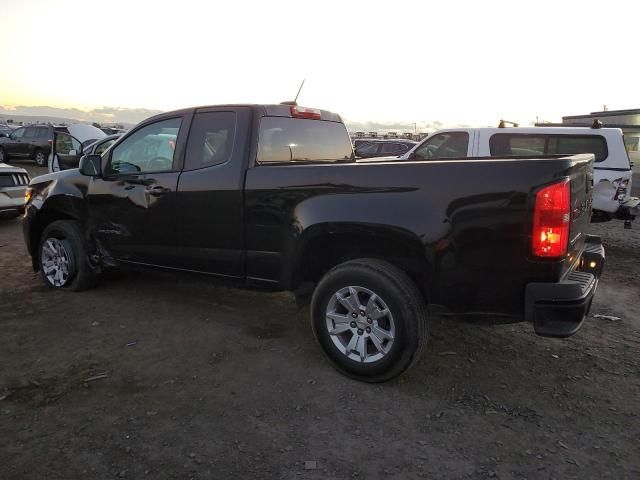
65 143
150 149
211 139
18 133
505 144
444 145
367 149
549 144
390 148
43 132
571 144
30 132
103 146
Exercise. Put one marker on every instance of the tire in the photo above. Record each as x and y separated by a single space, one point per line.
63 257
386 344
3 156
40 158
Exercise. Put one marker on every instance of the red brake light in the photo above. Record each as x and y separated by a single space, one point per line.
303 112
551 217
50 142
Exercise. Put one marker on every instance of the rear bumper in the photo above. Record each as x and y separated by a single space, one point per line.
558 309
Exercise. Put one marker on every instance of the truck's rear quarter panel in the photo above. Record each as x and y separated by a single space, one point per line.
469 219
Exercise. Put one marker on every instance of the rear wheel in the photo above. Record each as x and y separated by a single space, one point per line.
40 158
63 257
369 319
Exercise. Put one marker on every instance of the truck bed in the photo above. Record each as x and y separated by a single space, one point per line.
464 226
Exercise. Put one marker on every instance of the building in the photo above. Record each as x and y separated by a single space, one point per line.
626 120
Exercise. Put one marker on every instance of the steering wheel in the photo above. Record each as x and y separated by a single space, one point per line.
159 163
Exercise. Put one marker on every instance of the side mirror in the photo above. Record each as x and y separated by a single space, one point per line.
91 165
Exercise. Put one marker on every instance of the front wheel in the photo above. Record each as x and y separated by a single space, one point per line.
63 257
369 319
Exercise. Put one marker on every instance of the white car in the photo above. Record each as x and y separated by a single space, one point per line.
68 146
612 169
13 185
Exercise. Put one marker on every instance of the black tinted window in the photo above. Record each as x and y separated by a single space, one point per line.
30 132
42 132
285 139
211 139
547 144
390 148
568 144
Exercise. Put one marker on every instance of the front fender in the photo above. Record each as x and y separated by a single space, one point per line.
55 196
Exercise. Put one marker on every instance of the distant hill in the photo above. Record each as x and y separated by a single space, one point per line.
30 119
127 117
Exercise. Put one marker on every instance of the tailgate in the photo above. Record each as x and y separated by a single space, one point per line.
581 180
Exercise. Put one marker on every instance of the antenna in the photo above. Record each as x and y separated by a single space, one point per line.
295 100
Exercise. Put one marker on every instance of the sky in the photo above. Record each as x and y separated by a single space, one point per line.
391 63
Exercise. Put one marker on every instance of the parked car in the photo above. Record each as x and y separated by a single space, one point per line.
270 196
13 185
384 148
65 162
34 141
612 169
113 130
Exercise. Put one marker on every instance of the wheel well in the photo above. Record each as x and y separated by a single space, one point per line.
44 218
324 252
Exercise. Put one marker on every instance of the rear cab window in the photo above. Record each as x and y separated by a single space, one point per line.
522 144
297 140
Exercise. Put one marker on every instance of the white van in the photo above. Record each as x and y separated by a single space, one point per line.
612 170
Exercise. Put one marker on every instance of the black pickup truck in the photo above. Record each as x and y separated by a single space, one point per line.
271 196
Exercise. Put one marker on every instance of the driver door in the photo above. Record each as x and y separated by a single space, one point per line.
132 207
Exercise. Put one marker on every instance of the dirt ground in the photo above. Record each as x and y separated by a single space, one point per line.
166 377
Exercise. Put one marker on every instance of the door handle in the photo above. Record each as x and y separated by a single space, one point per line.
157 190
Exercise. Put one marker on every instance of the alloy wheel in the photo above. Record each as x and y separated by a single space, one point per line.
56 261
360 324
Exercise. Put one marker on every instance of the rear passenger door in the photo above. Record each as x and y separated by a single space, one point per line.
210 192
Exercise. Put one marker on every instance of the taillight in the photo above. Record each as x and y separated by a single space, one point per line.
551 217
303 112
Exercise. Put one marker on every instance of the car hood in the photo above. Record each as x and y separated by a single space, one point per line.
4 168
64 176
84 132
